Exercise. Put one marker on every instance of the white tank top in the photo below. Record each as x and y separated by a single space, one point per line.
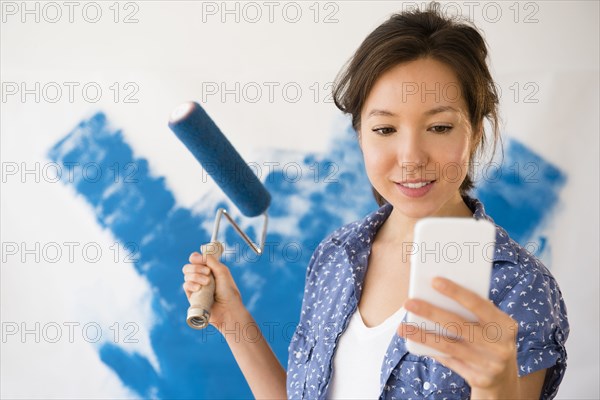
359 356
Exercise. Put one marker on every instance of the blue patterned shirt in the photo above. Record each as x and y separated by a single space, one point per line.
521 286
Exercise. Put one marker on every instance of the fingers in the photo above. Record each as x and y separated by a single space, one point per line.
196 269
197 274
476 357
433 313
201 265
484 310
491 321
480 350
201 278
211 261
219 270
197 258
452 328
483 352
452 342
194 281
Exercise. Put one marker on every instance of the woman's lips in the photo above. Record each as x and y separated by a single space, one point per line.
414 192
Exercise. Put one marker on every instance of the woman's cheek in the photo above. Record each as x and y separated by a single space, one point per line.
376 168
455 166
373 169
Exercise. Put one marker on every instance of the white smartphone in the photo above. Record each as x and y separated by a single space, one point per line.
460 249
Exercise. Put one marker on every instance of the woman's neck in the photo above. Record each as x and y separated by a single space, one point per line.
399 228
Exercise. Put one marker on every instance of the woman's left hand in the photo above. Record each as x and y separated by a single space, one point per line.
485 355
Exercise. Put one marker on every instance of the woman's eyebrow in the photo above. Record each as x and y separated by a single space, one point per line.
377 112
433 111
440 109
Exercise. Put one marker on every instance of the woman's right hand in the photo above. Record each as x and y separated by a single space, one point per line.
227 295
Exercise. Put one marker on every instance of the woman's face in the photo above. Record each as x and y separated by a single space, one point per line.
415 137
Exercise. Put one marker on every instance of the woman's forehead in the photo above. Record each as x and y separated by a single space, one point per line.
423 76
388 101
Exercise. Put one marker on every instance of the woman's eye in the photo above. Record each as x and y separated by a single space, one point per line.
384 131
441 128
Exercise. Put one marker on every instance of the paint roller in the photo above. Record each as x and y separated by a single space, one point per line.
222 162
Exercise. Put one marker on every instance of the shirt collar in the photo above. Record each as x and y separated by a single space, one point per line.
358 246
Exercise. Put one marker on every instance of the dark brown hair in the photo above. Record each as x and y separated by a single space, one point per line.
415 34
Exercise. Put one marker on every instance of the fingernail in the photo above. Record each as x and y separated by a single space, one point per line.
439 284
412 305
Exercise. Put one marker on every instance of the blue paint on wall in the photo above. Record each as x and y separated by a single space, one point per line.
521 194
139 208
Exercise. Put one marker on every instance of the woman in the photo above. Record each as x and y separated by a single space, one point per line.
418 90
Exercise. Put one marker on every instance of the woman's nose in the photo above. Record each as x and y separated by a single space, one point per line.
411 152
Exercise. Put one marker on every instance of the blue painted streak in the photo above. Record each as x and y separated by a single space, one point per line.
522 194
139 208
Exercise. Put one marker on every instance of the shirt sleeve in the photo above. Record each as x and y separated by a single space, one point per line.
536 303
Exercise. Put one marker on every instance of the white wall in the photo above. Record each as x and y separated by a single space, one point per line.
174 52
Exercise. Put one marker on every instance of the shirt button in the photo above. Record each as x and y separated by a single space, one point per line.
426 385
